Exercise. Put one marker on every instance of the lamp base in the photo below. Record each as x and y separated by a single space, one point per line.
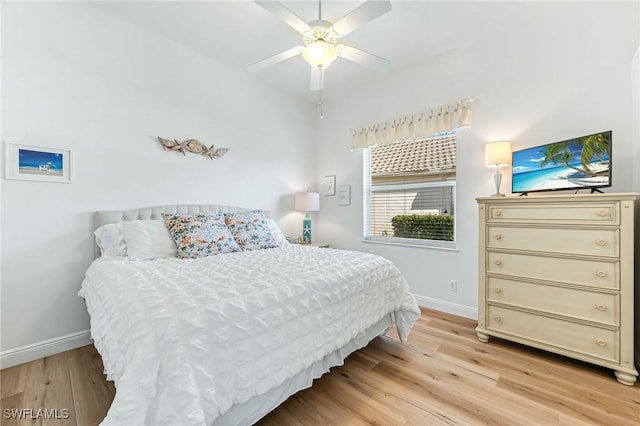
497 178
306 229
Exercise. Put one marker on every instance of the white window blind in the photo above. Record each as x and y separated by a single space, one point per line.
409 192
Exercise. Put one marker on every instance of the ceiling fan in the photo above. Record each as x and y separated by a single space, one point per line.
320 39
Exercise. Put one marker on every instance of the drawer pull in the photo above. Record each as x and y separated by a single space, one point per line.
601 307
498 237
601 274
498 290
498 318
602 213
498 213
601 343
601 242
498 262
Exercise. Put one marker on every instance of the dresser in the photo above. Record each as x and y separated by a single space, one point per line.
556 272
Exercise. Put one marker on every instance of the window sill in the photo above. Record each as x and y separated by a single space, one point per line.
441 245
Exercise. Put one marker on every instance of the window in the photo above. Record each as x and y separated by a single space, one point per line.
410 192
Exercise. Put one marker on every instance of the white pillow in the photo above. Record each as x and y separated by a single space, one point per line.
277 233
110 240
148 239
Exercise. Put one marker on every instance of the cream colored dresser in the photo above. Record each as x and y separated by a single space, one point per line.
557 273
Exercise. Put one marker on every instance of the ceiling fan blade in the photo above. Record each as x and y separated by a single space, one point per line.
363 58
272 60
364 13
284 13
317 79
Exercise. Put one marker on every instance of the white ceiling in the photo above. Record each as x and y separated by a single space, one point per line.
239 33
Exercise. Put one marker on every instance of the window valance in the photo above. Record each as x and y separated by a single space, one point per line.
445 118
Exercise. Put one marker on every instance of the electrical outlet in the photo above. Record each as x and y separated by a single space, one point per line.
453 285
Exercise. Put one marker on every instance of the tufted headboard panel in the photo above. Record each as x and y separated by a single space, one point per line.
102 217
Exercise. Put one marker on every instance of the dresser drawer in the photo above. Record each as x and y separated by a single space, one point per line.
596 242
598 307
573 271
587 213
581 338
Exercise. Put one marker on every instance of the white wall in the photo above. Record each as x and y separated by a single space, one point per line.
74 77
635 117
565 77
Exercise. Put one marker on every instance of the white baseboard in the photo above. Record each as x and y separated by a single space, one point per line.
44 348
448 307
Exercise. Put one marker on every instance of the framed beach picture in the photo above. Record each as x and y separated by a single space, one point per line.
26 162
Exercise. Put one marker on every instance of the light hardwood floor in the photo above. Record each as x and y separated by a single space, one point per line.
444 376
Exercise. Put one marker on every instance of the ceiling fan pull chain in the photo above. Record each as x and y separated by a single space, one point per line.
320 100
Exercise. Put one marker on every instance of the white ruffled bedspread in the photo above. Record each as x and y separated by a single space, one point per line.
186 339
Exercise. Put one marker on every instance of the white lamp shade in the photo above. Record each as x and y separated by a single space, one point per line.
307 202
497 153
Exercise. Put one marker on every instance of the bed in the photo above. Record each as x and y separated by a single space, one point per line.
224 339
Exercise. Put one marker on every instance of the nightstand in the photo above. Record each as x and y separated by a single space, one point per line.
321 245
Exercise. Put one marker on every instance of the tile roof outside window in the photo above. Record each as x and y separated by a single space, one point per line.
414 156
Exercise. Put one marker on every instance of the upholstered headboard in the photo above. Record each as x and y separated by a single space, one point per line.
102 217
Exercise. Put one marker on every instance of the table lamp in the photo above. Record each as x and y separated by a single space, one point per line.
307 202
498 154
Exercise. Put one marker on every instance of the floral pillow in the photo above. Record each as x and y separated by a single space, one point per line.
200 235
251 230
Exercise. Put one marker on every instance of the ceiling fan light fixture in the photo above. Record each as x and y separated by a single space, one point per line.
320 38
320 54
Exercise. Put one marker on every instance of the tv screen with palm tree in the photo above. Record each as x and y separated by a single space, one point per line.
583 162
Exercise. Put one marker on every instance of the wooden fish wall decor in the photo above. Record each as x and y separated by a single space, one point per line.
194 146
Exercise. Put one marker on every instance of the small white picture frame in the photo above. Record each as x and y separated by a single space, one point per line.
329 185
37 163
344 195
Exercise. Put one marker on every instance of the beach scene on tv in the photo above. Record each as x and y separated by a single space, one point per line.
39 163
572 164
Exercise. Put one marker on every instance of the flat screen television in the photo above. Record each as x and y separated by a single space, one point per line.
578 163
